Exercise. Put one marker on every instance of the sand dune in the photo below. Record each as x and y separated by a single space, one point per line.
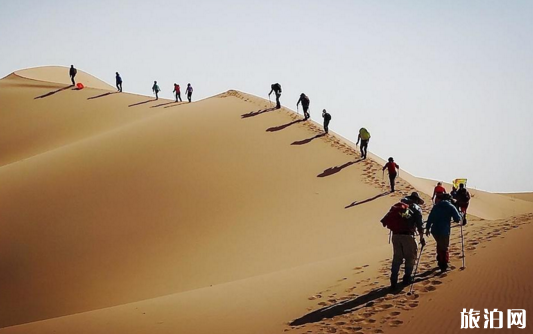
120 214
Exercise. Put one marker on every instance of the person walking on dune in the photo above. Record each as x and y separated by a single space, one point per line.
276 88
462 198
305 105
438 192
189 92
156 90
391 166
327 119
118 79
364 137
403 220
72 74
177 92
439 225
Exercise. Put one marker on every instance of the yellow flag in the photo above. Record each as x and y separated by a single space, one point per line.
457 182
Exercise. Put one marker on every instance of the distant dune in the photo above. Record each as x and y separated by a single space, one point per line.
122 214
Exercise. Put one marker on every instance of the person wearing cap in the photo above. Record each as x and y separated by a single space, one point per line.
439 225
304 100
391 166
462 198
437 192
118 80
404 241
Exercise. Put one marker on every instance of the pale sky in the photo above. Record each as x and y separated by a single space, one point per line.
443 86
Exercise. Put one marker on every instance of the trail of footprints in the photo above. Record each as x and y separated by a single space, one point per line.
376 316
384 312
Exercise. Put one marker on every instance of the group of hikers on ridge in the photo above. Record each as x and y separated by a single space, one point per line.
405 220
155 88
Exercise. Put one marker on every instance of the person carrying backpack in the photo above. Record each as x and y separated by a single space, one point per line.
462 199
364 137
305 105
327 118
391 166
437 192
72 72
156 90
439 225
276 88
177 92
404 219
118 80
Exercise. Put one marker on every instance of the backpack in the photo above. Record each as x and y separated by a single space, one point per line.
463 196
399 218
276 87
365 135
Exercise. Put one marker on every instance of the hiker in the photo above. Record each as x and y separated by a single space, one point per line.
156 90
453 192
391 166
437 192
364 137
327 118
439 225
72 74
119 82
189 92
403 220
462 199
276 88
305 105
177 92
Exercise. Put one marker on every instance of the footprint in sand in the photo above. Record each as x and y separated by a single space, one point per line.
436 282
395 313
395 323
428 289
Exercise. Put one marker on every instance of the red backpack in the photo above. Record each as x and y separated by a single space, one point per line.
398 218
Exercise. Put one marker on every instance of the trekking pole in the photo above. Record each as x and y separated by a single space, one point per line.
390 234
269 100
297 110
463 247
416 269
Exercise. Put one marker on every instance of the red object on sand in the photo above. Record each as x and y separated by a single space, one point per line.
80 85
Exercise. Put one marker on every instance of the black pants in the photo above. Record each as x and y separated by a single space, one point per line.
392 178
178 97
278 104
189 97
156 95
364 147
326 123
306 113
72 79
119 86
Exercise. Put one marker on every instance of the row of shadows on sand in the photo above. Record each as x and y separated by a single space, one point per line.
327 172
72 87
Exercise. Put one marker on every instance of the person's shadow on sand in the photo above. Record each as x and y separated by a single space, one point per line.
308 140
356 203
101 95
53 92
358 303
143 102
255 113
163 104
336 169
281 127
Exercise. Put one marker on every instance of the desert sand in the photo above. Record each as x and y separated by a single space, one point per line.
122 214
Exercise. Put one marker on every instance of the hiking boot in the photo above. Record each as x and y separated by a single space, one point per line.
406 280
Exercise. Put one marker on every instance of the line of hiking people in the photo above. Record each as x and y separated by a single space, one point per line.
405 221
155 88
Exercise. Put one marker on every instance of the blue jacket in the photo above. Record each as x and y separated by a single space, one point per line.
439 220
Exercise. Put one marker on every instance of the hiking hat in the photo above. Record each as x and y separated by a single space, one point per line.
414 197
